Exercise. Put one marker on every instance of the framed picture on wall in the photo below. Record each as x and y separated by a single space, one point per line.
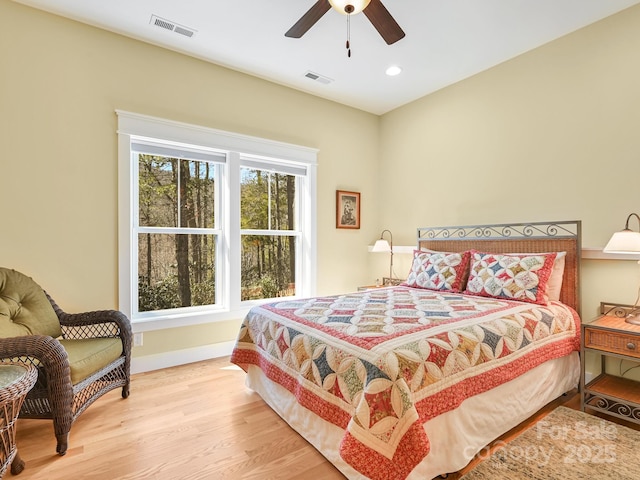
347 209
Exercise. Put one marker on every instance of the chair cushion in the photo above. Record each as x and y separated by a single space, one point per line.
88 355
24 307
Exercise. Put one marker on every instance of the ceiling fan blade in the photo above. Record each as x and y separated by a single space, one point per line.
309 19
382 20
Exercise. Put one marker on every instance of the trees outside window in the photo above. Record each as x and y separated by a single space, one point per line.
267 218
176 233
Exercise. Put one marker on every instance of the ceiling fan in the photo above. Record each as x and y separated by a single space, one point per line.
374 10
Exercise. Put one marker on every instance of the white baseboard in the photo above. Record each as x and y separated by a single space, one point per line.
148 363
588 376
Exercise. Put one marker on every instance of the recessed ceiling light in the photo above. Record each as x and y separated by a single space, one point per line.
393 70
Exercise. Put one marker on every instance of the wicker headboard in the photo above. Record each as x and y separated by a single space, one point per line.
536 237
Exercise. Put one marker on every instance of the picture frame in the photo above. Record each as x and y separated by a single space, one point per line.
347 209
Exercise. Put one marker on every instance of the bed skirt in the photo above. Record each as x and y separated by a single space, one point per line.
455 436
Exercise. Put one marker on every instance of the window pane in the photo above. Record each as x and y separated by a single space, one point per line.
175 271
267 200
158 206
196 194
268 266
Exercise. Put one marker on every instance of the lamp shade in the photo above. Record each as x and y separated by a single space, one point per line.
341 6
381 246
625 241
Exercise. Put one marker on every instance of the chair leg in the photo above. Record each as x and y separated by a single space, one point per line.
125 391
63 441
17 465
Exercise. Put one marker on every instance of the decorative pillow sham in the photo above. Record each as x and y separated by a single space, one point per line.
554 284
439 270
522 277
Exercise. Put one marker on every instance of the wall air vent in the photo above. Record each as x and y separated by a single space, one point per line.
318 78
171 26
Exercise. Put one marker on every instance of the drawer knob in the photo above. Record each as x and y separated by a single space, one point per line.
631 346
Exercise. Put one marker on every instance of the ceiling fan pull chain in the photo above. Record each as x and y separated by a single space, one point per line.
349 35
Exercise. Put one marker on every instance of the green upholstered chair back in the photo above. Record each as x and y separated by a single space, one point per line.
24 307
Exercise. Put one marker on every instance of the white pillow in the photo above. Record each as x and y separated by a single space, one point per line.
554 284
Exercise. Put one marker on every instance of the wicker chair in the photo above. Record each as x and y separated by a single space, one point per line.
79 357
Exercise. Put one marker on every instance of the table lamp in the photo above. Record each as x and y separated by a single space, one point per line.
627 241
382 246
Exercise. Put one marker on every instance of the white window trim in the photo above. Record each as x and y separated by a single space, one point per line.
137 125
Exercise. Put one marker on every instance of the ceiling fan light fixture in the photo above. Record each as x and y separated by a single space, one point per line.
393 70
349 7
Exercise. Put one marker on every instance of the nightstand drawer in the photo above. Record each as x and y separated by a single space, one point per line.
613 342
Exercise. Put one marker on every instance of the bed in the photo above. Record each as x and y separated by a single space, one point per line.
411 381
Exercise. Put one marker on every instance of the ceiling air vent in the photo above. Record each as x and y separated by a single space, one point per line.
183 31
318 78
171 26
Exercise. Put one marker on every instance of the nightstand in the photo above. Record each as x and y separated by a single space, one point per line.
386 282
364 288
611 337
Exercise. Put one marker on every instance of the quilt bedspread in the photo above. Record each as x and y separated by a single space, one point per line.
380 363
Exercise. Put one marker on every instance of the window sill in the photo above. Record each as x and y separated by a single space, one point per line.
174 320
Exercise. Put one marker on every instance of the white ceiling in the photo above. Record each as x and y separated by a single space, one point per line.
446 40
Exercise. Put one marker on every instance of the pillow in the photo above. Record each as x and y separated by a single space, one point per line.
554 285
24 307
522 277
438 270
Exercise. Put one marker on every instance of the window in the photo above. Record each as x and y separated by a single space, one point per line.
269 229
175 225
210 222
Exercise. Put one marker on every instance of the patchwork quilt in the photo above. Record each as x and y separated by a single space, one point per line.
381 363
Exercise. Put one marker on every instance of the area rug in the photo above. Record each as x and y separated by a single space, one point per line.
568 445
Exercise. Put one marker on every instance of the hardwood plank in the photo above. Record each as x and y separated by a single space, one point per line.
194 421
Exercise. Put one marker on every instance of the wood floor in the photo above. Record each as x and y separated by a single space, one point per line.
194 421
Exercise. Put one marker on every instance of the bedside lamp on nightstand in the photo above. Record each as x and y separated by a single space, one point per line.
627 241
382 246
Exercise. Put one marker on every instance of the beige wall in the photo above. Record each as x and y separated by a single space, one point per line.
557 128
551 135
60 85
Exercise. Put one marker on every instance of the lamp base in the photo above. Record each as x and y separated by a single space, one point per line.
633 319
